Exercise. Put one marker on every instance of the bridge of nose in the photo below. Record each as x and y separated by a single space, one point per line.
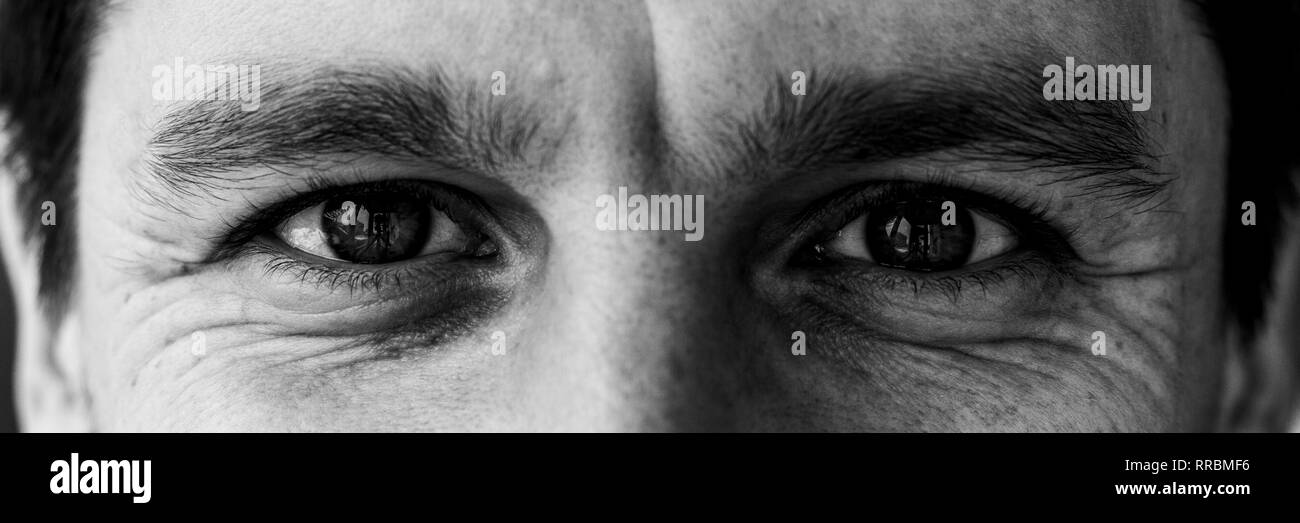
627 329
633 328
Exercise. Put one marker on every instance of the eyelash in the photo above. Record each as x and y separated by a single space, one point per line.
249 238
1044 251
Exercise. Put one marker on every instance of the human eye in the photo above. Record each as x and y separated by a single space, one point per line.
930 238
377 225
373 269
369 236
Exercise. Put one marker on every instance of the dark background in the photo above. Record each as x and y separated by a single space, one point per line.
7 328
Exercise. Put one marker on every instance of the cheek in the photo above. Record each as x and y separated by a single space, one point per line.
236 388
1200 159
1203 340
923 388
1026 365
182 357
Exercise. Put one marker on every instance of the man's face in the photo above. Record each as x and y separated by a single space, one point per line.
398 238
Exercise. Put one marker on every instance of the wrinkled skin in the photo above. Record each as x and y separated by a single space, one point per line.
639 330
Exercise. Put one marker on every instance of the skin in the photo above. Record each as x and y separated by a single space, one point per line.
629 331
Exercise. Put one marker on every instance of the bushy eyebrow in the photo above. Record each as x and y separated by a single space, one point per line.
198 148
994 113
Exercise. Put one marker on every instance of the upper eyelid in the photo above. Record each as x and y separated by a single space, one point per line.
851 202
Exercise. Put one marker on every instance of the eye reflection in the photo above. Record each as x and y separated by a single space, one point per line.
375 228
920 235
912 235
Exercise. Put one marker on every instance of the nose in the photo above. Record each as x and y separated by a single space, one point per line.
628 329
633 330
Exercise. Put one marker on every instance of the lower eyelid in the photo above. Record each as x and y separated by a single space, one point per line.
1026 273
321 275
272 261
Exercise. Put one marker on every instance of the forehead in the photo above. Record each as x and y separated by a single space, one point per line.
475 30
606 65
569 46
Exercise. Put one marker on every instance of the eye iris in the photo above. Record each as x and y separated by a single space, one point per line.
376 227
911 235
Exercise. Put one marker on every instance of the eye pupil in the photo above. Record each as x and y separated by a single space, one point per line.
377 227
911 235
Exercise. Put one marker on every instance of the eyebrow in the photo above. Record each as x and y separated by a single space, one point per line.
199 148
994 113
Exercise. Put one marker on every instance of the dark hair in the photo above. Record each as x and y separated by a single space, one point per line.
43 65
1257 45
44 47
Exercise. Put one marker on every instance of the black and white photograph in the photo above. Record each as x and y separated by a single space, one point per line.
651 216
